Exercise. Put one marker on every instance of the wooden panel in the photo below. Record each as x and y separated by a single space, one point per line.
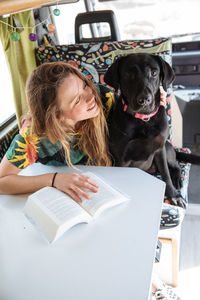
174 259
14 6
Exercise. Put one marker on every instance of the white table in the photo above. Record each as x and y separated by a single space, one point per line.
109 259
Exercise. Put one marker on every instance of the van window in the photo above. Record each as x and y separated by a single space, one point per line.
66 20
7 102
139 20
152 18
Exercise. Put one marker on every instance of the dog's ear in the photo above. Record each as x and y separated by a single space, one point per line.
167 73
111 76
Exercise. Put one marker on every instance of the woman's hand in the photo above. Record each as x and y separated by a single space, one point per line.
70 183
74 184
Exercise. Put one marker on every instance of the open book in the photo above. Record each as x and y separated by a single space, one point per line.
55 212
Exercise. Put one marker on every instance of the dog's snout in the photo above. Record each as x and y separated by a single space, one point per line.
144 100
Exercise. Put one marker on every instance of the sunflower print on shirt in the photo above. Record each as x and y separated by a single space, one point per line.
27 149
23 150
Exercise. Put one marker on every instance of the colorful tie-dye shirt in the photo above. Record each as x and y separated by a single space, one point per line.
27 149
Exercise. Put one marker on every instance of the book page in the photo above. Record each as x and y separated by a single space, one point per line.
104 198
54 212
58 205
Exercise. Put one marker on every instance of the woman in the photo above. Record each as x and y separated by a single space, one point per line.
65 125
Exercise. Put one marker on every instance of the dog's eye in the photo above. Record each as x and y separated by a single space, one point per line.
154 72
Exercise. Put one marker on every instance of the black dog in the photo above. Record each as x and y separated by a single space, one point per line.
138 123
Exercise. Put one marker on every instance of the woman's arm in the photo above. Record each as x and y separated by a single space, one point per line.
70 183
12 183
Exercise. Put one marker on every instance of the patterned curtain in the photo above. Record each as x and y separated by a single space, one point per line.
20 56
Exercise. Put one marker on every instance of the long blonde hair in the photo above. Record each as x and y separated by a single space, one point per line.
41 91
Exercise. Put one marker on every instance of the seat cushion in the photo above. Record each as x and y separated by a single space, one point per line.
94 58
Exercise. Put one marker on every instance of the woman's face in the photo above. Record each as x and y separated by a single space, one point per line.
76 101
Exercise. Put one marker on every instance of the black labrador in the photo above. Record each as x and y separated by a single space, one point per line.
138 124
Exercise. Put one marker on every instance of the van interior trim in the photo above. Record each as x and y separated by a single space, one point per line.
15 6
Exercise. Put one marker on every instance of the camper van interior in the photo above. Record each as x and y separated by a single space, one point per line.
90 35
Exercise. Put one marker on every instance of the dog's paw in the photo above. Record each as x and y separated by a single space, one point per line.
179 201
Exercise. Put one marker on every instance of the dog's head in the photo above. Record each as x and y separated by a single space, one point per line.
139 77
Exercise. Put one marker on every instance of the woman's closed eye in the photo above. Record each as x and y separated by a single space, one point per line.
78 100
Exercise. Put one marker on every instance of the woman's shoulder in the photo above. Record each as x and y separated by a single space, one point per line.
23 150
26 149
25 131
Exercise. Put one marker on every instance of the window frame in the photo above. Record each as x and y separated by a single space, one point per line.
7 122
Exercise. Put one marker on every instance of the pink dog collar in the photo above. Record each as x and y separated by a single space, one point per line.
146 118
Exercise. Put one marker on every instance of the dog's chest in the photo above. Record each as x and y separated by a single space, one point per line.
137 138
138 129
